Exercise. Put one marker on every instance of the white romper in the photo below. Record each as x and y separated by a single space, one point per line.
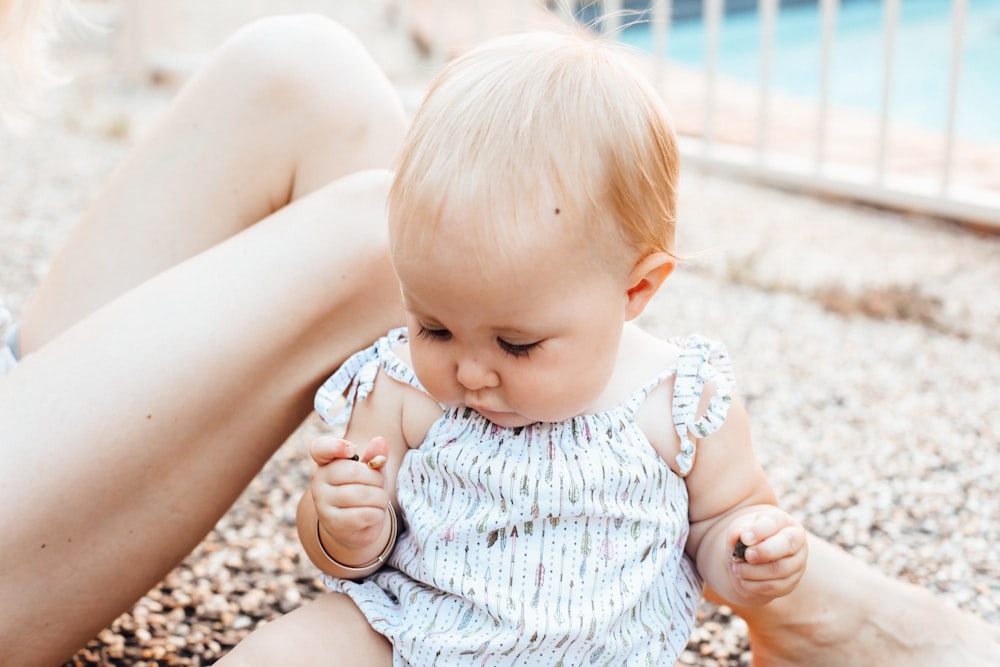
549 544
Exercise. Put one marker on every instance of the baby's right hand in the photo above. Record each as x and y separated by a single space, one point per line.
349 490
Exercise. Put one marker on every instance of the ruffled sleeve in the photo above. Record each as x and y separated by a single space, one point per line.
356 377
701 360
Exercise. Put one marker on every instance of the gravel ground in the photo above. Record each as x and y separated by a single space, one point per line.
866 344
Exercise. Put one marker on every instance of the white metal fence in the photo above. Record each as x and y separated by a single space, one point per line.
930 172
749 130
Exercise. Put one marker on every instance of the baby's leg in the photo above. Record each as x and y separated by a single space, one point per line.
125 437
845 612
328 631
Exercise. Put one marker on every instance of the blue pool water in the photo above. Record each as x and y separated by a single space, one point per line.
922 62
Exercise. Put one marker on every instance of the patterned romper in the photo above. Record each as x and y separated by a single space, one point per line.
550 544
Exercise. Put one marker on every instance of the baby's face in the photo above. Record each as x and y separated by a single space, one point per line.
521 340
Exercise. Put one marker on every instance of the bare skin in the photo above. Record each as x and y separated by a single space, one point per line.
263 280
287 106
176 392
307 636
845 612
911 629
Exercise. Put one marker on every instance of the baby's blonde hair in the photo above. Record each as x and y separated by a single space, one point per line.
27 28
559 123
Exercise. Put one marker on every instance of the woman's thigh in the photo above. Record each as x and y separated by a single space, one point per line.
287 105
129 435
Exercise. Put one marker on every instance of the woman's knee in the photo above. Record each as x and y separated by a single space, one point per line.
312 83
309 64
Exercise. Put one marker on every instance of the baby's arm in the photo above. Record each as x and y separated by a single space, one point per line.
345 518
731 501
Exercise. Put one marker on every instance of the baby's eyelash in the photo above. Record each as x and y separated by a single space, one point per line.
517 351
434 334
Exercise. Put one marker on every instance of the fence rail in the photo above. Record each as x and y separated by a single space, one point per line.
924 171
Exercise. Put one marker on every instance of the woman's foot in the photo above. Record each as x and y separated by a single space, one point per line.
847 613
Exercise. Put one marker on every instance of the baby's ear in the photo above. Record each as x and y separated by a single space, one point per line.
645 280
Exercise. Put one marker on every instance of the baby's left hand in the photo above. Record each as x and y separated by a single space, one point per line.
774 558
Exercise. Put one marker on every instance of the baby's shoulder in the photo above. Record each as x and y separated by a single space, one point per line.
642 357
646 358
417 409
376 390
680 368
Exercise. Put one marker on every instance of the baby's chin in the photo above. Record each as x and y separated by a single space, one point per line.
517 420
507 419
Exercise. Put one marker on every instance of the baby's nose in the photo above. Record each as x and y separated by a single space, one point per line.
475 375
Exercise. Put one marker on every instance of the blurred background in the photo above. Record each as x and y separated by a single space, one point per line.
840 200
891 102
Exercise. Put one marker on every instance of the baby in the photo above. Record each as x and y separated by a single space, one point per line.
557 483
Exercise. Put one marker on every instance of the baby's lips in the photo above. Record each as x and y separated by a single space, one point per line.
377 462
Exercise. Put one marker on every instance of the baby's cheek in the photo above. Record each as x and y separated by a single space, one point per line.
554 399
440 391
431 375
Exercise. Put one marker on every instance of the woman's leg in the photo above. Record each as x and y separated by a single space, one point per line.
128 434
127 437
288 105
845 612
328 630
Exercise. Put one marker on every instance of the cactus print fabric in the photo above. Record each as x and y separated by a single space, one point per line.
550 544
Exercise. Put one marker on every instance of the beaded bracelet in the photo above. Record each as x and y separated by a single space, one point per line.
379 560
